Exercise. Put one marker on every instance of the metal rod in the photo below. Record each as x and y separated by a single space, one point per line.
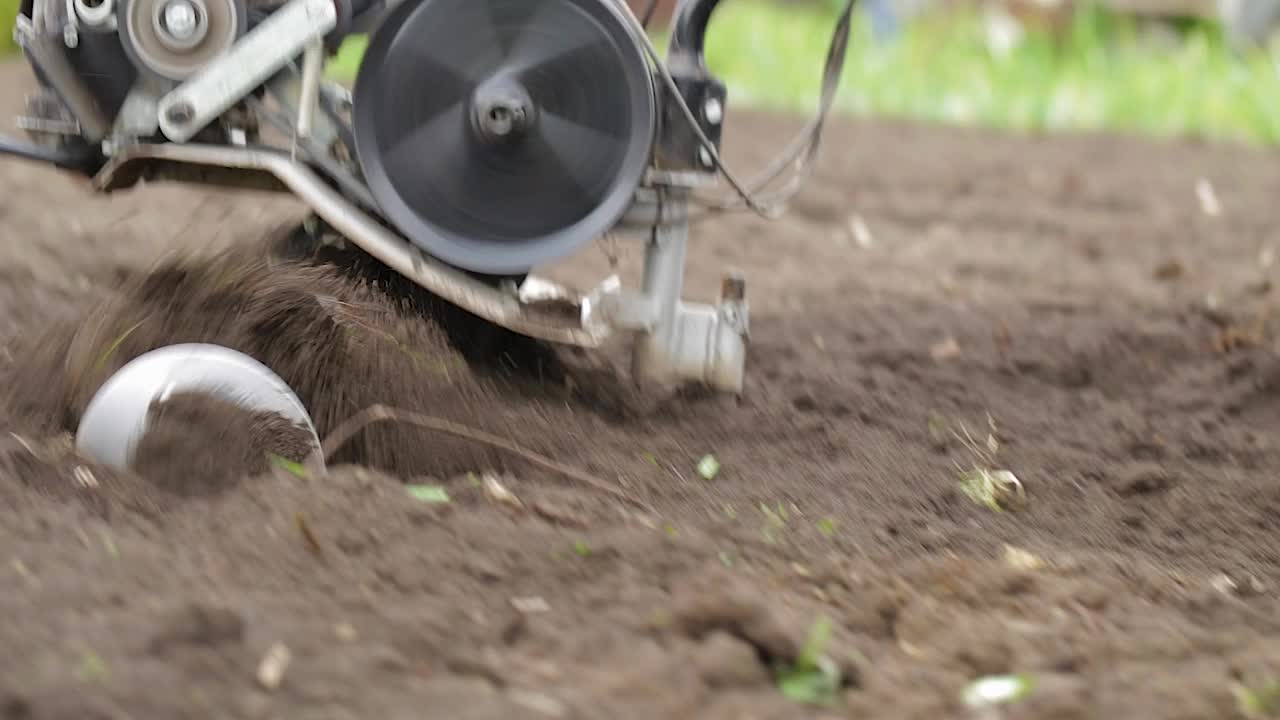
348 220
655 354
253 59
66 158
664 259
309 94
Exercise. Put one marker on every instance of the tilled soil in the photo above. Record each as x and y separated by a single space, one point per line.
1090 314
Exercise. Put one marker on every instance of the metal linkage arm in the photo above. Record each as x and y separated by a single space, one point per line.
676 341
260 54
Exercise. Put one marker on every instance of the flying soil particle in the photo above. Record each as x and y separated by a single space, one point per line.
340 340
198 444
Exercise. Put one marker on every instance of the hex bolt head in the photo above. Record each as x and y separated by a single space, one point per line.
181 113
713 111
180 19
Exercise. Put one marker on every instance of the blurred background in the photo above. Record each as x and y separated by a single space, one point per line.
1198 68
1202 68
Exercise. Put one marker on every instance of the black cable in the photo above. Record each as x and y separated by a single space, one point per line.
79 157
803 149
800 152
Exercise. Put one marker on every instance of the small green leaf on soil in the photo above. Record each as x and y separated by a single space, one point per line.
293 468
777 518
92 668
815 645
650 458
997 690
110 545
708 467
1258 703
998 490
670 530
812 687
937 428
827 526
428 493
814 679
581 548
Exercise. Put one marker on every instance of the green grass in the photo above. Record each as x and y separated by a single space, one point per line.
8 11
1105 75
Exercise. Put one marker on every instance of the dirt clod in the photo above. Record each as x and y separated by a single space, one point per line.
198 624
726 661
1142 479
731 608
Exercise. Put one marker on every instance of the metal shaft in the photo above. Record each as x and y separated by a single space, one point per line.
664 259
309 94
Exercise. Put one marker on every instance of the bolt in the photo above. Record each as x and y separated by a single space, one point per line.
501 113
501 120
713 111
181 113
180 19
704 155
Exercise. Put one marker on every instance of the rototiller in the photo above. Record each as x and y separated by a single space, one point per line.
483 138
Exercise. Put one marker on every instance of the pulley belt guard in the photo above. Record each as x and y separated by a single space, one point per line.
499 135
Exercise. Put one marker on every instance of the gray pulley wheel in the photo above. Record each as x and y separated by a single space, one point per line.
498 135
117 416
173 39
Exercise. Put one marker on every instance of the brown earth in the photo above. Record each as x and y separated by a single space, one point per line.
1070 298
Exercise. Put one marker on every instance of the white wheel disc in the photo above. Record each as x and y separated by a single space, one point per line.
117 416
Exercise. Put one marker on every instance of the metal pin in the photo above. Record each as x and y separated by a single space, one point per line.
312 63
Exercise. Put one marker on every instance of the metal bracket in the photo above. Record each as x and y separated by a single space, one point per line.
309 93
677 341
45 55
289 89
138 116
261 53
363 231
47 119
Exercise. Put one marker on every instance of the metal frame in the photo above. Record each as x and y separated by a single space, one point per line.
675 342
250 62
